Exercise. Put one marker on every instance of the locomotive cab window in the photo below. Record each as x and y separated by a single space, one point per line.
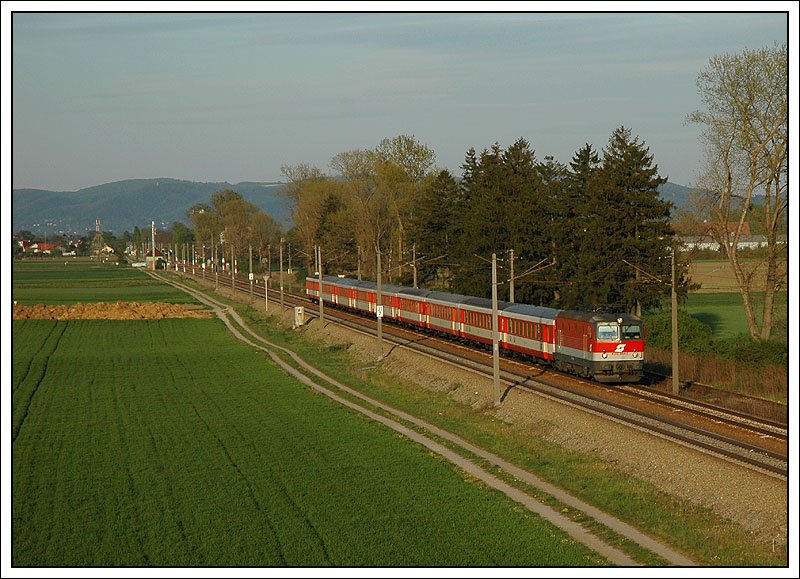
632 332
607 332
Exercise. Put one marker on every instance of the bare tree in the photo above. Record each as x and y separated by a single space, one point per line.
746 121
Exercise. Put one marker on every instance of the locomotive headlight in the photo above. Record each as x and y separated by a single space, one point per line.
605 355
636 354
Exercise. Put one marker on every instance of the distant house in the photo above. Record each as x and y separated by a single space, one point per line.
701 242
148 257
41 247
26 244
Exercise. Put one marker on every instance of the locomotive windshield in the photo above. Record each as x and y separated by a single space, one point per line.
608 332
632 332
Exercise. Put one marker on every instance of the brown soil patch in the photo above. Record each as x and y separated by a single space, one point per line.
110 311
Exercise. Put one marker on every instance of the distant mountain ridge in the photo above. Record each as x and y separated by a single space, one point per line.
123 205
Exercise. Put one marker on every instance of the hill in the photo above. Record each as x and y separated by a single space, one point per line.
677 194
123 205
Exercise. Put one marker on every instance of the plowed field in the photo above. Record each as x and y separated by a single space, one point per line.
110 311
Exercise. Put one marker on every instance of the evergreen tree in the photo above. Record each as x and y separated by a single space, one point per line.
629 228
502 209
435 228
479 218
583 180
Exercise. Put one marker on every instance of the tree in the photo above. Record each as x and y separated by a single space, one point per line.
502 208
368 205
204 222
401 165
324 214
434 229
640 232
181 234
266 232
746 120
581 182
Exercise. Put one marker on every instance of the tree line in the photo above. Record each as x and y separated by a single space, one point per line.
588 235
230 227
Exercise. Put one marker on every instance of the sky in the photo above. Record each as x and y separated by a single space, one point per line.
234 96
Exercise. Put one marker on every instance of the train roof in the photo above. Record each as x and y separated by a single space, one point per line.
423 293
600 316
484 303
446 297
534 311
364 284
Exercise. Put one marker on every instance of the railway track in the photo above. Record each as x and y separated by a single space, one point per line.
754 442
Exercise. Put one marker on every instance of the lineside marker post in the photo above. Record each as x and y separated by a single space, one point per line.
676 389
495 344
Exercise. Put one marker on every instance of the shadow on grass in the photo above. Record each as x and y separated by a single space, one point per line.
712 320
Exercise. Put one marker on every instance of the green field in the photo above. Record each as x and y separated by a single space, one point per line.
724 312
169 443
719 304
69 282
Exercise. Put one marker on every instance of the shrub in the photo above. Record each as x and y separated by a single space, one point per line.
693 335
747 351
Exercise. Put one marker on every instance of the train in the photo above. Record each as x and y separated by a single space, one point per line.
606 347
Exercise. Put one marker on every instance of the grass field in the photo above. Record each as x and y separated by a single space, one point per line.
719 304
168 443
724 313
717 275
68 282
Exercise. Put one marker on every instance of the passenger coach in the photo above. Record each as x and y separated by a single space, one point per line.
606 347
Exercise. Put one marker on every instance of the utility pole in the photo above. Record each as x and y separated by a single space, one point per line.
266 294
414 261
495 344
379 306
153 233
281 280
358 259
250 274
321 314
675 385
511 281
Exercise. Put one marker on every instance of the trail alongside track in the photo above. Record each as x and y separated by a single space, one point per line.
577 531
